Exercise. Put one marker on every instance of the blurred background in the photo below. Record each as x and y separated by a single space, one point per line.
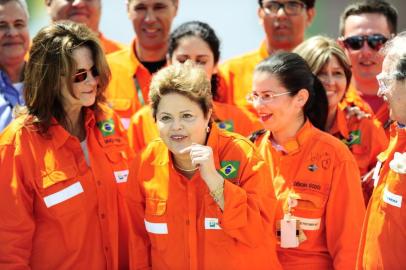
235 21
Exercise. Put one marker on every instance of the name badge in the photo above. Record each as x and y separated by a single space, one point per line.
121 176
211 224
392 198
308 224
289 233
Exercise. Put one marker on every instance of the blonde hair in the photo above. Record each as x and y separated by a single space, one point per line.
184 79
318 50
51 66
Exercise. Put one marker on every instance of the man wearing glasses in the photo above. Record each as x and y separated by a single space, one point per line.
284 23
365 27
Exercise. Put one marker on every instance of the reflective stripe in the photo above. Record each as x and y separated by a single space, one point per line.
125 122
157 228
392 198
377 169
308 224
121 176
63 195
211 224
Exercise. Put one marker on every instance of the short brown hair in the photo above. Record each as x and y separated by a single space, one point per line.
184 79
371 6
51 65
318 50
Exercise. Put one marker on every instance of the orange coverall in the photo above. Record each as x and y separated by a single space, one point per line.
321 174
238 75
109 45
383 240
143 129
128 89
177 223
364 137
56 211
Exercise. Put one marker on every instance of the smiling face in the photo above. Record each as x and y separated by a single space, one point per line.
334 81
197 50
181 125
278 114
85 91
366 62
81 11
152 20
285 31
14 36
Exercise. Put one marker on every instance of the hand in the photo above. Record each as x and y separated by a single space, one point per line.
357 112
202 157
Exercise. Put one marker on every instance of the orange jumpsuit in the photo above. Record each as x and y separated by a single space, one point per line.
383 240
128 89
238 75
109 45
177 223
143 129
364 137
56 211
321 174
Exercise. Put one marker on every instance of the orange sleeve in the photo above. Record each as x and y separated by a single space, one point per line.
346 202
249 208
139 243
16 207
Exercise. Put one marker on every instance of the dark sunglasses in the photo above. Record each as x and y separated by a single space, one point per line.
81 75
375 42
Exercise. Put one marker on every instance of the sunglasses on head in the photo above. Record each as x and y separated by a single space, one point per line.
81 74
375 42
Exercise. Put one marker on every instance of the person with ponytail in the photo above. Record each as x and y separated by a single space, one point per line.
315 177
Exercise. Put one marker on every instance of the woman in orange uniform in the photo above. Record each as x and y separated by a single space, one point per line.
316 179
363 135
383 238
202 197
62 160
195 41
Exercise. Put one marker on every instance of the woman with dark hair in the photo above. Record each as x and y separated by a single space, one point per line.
195 41
62 160
315 177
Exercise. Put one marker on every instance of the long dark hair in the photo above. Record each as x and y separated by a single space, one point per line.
207 34
294 74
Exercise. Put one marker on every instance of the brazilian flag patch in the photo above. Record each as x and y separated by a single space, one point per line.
353 138
106 127
226 125
229 169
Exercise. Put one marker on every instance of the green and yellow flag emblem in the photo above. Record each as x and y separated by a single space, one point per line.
226 125
353 138
106 127
229 169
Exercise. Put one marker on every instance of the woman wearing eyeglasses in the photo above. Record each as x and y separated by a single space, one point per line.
62 160
383 240
364 136
202 197
315 177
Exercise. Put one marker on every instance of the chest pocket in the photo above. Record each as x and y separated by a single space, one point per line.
392 197
61 191
119 165
156 222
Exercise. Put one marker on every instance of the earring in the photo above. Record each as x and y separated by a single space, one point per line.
207 129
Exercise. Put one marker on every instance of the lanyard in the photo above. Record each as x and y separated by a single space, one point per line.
139 91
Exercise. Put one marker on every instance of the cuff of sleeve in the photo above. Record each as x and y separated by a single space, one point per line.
234 215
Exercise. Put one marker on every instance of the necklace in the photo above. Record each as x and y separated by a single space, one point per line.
185 170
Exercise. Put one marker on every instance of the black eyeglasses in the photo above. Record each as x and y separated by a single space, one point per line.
375 42
289 7
81 75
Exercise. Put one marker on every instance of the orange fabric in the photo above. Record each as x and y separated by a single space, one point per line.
122 92
238 75
383 240
322 174
56 211
372 138
109 45
198 234
142 129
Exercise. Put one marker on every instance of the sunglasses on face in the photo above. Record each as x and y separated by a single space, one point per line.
289 7
375 42
81 74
